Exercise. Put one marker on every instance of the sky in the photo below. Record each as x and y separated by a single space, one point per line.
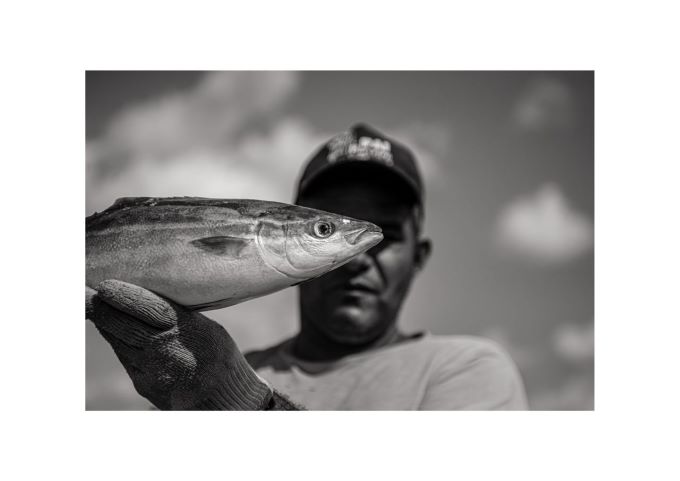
507 159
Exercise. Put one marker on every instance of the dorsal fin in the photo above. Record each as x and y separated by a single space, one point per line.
130 201
255 208
236 204
119 204
127 202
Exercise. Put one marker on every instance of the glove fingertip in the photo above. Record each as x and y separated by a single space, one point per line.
138 302
113 288
89 301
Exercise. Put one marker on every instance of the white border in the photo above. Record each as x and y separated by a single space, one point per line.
46 431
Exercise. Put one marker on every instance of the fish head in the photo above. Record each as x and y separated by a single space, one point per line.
307 243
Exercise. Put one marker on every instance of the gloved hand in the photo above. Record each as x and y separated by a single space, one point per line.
176 358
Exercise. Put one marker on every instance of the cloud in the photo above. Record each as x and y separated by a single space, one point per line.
210 113
575 343
577 393
543 227
546 103
193 143
558 370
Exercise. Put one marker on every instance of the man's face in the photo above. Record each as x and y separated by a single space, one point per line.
358 302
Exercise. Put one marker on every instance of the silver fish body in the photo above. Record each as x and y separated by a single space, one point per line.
213 253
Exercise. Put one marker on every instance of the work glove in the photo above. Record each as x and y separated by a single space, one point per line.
176 358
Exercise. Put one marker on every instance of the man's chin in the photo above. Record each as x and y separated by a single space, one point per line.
347 326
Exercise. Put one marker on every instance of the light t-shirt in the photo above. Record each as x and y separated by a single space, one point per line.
425 372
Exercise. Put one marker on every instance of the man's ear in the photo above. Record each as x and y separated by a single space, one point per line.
423 250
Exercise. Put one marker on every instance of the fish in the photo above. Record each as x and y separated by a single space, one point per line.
208 254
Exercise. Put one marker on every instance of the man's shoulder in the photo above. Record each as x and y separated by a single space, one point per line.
462 347
470 372
269 356
459 346
435 350
455 355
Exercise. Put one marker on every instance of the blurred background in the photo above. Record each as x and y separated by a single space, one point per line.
507 159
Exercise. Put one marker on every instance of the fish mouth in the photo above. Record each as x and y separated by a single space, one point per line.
369 234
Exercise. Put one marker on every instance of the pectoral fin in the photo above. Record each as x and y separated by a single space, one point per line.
222 245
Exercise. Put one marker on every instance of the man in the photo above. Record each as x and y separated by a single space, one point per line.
349 352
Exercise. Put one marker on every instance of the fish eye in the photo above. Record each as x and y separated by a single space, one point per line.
323 229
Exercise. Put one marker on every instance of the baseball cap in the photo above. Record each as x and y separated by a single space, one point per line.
363 145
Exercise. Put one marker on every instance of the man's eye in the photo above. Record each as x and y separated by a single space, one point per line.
323 229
